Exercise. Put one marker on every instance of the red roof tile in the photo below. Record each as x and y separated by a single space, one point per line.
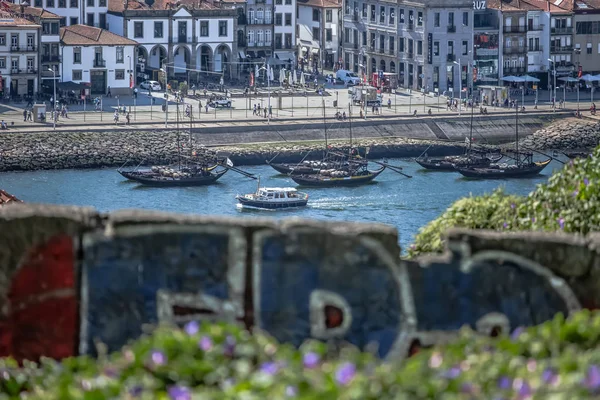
88 35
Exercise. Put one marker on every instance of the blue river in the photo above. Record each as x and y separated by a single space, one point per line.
407 204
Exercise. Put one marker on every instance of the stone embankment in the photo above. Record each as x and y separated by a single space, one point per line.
566 134
33 151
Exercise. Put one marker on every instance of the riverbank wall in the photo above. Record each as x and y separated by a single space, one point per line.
252 146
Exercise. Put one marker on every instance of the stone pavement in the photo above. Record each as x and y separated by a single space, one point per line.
290 110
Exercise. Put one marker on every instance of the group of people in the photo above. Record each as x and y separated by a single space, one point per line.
116 116
268 112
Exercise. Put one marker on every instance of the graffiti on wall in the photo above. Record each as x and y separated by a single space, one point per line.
300 281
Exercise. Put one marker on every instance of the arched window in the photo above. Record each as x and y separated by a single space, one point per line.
382 65
392 67
260 16
373 65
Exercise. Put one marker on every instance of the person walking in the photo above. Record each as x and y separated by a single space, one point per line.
254 110
108 92
270 111
127 118
24 115
116 117
206 107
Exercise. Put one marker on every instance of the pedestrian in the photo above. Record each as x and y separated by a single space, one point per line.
206 108
24 115
127 118
389 103
116 117
316 81
108 93
373 109
259 112
30 116
135 93
270 111
265 110
193 89
254 110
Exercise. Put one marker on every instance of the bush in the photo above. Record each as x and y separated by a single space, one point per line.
183 88
225 362
569 202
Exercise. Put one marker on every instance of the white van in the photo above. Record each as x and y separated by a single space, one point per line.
348 77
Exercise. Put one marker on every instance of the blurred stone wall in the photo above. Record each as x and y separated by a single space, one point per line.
71 278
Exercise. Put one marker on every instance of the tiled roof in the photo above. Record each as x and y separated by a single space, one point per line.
33 11
320 3
582 5
512 5
9 19
88 35
117 6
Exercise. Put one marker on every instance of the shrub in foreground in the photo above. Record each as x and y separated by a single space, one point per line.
569 201
556 360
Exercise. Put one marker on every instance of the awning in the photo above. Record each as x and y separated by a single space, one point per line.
242 55
315 51
285 56
304 49
261 54
72 85
274 61
250 54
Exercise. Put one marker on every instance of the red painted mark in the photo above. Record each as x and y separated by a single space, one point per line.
42 313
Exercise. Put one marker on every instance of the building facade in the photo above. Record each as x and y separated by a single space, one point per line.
192 42
319 23
73 12
19 55
586 37
97 56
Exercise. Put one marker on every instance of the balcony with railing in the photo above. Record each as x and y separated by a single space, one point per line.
561 49
515 29
410 26
48 58
355 16
259 44
451 28
533 27
564 65
24 71
260 21
561 31
392 52
513 70
23 49
535 48
184 39
450 58
410 55
515 49
99 63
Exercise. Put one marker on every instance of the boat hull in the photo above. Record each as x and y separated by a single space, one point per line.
323 181
272 205
436 165
446 165
289 169
499 173
150 179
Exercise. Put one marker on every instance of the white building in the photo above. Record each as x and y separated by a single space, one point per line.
319 24
19 60
193 41
88 12
97 56
284 25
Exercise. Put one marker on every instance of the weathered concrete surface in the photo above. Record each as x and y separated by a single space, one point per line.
71 277
250 145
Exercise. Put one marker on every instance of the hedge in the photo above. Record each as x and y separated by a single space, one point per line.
556 360
569 201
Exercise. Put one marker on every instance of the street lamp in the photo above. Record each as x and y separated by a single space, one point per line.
459 86
164 70
54 98
267 72
577 52
554 73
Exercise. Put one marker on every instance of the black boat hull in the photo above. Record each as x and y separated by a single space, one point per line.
322 181
272 205
159 181
576 154
289 169
445 165
499 173
436 165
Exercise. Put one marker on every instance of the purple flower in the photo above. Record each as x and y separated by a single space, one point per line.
575 193
291 391
179 393
533 219
229 346
158 358
505 225
269 368
192 328
586 181
135 391
504 383
205 343
516 333
513 205
452 373
592 378
523 389
467 388
345 373
549 376
311 360
561 223
111 372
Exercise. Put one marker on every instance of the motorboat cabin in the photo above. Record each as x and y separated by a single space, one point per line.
274 198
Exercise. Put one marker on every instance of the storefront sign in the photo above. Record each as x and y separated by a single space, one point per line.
429 48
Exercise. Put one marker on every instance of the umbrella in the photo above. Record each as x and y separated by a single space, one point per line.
256 71
302 82
281 75
294 80
511 78
590 78
527 78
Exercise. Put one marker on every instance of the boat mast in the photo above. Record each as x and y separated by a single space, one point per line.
517 132
350 122
325 126
471 130
178 143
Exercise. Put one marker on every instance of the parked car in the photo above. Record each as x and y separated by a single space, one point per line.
221 102
154 85
347 77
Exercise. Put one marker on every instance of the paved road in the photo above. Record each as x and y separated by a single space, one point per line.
294 109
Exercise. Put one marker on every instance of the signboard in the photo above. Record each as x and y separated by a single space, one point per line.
401 15
480 5
474 74
429 48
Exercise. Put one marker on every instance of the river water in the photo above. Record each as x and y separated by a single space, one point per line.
407 204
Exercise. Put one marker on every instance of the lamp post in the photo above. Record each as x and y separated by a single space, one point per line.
554 73
459 86
54 98
577 52
164 70
267 72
